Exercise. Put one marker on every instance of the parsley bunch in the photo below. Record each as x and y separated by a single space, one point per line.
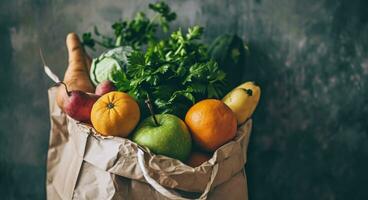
137 32
175 72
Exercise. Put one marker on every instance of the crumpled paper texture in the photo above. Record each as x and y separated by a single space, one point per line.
85 165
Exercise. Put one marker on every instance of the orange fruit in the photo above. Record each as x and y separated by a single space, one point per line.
212 123
196 158
115 114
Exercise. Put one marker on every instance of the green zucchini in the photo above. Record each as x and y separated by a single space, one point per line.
229 52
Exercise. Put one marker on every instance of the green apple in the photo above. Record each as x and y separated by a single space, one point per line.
170 137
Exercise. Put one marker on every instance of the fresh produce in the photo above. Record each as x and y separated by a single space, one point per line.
229 51
169 136
175 72
212 123
182 75
196 158
105 87
115 114
109 64
78 104
243 100
76 76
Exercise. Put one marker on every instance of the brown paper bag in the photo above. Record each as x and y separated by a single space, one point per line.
85 165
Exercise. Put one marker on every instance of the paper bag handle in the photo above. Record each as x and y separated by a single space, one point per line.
162 190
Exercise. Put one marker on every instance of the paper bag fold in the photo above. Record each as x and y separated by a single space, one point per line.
85 165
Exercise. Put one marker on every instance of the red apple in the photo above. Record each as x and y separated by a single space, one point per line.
78 104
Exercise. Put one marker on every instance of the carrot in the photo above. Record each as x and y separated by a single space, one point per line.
77 74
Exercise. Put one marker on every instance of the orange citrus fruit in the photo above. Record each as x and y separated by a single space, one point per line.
212 123
115 114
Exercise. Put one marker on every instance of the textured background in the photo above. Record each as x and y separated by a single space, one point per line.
310 57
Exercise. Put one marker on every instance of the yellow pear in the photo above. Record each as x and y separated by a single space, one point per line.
243 100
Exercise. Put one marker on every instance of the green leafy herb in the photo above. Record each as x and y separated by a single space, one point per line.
175 72
137 32
166 15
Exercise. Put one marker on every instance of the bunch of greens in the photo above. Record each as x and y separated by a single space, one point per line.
135 33
175 72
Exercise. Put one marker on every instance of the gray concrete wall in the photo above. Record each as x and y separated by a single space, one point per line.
310 58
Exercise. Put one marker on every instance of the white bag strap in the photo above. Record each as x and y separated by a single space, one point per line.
162 190
48 71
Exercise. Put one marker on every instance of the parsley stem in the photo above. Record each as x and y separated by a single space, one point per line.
118 41
153 19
